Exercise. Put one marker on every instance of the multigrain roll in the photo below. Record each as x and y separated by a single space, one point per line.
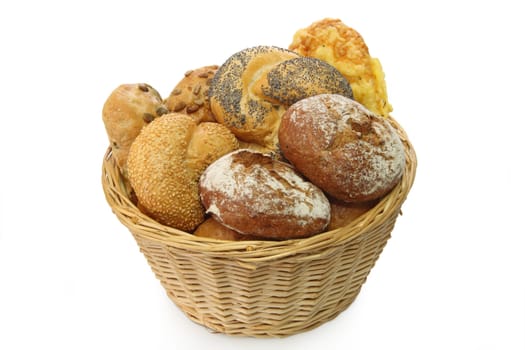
165 163
254 194
344 48
190 95
254 87
126 111
349 152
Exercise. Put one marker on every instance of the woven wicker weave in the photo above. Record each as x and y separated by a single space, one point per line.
262 288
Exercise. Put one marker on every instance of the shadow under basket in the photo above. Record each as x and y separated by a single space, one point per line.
262 288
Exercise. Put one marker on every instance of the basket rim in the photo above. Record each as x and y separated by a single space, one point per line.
251 252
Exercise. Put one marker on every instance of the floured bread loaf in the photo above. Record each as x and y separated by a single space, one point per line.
349 152
253 194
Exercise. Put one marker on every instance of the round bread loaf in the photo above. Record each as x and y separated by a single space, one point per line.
344 48
127 109
254 194
254 87
166 161
349 152
190 95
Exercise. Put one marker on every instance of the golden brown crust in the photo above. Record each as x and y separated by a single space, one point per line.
347 151
211 228
254 87
297 78
126 111
341 46
253 194
166 161
250 118
190 95
273 153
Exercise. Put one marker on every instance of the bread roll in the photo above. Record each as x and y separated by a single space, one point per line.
342 47
127 109
254 87
253 194
190 95
342 214
165 163
211 228
350 153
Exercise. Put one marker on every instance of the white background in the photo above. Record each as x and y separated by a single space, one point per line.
451 276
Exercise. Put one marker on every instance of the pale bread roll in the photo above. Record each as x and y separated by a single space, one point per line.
344 48
126 111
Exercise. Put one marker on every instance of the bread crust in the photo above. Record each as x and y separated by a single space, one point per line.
233 102
349 152
211 228
254 194
344 48
343 214
126 111
254 87
166 161
190 95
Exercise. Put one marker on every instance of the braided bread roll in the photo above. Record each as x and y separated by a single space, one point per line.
254 87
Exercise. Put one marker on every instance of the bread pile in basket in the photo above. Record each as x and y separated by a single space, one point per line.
273 144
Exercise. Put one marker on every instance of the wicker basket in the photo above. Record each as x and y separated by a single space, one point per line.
262 288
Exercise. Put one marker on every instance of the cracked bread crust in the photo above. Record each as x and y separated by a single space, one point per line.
256 195
340 146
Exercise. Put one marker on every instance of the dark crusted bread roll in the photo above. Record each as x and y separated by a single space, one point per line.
340 146
254 194
342 213
253 88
